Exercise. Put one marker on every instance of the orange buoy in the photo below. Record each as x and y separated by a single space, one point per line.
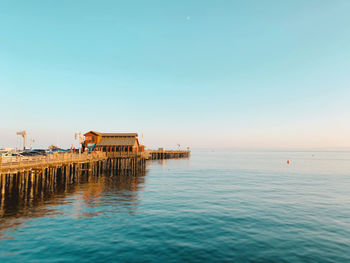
288 162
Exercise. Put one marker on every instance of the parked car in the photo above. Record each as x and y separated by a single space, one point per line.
39 152
5 155
35 152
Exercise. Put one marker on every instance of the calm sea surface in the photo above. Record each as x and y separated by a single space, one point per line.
217 206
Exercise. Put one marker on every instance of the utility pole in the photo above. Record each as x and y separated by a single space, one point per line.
24 135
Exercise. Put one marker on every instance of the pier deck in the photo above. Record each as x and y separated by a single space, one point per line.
18 164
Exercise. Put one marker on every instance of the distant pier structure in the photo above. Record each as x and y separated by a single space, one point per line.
166 154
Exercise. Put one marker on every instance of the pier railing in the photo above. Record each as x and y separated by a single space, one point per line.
32 161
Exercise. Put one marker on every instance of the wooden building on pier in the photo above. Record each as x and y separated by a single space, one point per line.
112 142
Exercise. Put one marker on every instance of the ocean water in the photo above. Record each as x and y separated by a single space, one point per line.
217 206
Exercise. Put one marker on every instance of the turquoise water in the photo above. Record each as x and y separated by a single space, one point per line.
217 206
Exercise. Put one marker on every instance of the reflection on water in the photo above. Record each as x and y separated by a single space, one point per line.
38 199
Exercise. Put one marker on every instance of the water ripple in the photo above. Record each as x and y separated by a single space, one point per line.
216 207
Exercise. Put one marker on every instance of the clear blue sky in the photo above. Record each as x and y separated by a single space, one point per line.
271 74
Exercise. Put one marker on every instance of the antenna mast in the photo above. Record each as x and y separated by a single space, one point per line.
31 143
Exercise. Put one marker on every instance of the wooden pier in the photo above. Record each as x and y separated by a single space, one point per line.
25 174
72 163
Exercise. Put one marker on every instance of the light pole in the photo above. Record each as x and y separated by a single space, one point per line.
79 137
